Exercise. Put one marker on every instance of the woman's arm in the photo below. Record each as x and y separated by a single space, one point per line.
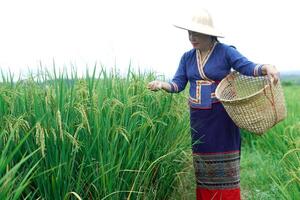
243 65
178 82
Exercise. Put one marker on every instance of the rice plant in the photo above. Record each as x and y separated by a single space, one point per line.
15 176
103 136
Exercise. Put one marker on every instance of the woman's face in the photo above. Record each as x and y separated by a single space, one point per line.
199 40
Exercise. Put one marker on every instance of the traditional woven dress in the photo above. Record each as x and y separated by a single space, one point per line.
216 141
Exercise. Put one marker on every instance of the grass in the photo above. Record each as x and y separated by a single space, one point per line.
100 137
14 175
270 164
105 136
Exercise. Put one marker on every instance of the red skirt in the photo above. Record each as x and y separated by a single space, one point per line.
225 194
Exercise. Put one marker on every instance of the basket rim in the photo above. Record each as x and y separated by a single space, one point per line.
238 99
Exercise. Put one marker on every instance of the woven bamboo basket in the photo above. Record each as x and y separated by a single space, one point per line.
253 103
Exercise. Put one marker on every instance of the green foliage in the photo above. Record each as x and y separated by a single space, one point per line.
271 163
100 137
287 83
14 175
105 136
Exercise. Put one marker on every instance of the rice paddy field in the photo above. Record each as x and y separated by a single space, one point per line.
105 136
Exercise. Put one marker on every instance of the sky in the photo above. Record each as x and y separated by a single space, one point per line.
113 33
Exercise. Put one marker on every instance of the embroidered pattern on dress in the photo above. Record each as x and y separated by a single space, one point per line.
197 98
200 64
217 171
256 70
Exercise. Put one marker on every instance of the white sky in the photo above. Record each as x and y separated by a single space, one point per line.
83 32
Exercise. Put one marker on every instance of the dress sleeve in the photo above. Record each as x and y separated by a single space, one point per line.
241 64
180 79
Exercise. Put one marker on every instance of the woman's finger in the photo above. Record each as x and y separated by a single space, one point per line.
275 76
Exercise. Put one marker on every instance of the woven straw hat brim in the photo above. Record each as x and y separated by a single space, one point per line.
199 28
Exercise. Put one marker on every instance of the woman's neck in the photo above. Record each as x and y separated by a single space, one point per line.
207 45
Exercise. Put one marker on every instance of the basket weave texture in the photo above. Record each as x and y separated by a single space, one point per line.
253 103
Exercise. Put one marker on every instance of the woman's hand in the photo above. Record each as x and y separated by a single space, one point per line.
155 85
271 72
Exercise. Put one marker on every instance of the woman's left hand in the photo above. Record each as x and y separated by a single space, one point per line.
271 72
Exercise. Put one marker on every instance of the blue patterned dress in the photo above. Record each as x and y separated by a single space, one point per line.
216 141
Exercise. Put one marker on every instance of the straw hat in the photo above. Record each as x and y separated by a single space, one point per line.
199 21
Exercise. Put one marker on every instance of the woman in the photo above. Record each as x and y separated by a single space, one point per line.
216 141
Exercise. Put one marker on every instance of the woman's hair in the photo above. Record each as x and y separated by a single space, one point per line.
215 38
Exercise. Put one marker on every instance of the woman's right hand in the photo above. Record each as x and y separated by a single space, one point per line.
155 85
271 72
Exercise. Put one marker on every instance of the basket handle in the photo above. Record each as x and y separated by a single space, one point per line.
272 99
